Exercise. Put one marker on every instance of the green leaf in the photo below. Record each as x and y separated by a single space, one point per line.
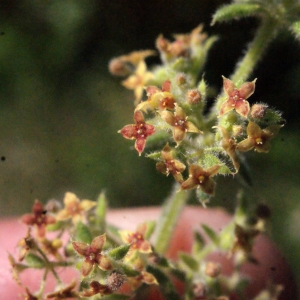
211 234
198 243
236 11
82 233
189 261
129 271
34 261
150 229
119 252
101 212
56 226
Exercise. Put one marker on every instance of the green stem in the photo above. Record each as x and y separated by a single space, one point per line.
172 209
244 68
265 34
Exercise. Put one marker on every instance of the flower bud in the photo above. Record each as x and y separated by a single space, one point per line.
237 130
118 67
115 280
193 97
199 291
181 79
258 110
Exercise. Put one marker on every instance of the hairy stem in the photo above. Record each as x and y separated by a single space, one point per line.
244 68
168 219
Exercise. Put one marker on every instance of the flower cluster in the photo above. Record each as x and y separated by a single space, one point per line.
174 113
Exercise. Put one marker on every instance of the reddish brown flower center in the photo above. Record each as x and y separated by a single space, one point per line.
235 96
179 122
258 141
74 209
170 166
136 240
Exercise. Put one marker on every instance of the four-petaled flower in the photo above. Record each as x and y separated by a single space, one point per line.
39 218
199 177
138 80
170 165
93 255
139 131
65 293
229 145
158 98
180 123
74 208
258 138
237 97
137 239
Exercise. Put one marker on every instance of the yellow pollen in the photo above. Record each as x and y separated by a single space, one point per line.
201 178
258 141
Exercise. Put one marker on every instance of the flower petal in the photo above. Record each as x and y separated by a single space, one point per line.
228 86
247 89
242 107
104 263
253 130
245 145
70 199
87 267
98 243
129 132
81 248
208 186
140 144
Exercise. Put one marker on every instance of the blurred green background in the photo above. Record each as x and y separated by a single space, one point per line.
60 109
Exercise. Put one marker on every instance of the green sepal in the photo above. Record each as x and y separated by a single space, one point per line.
129 271
211 234
119 252
34 261
150 229
154 155
116 297
101 212
179 274
236 11
55 227
189 261
82 233
210 160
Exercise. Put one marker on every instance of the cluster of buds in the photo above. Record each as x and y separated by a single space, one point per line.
173 113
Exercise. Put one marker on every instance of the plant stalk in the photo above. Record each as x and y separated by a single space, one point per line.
172 209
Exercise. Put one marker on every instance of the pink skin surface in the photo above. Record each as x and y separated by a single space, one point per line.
272 266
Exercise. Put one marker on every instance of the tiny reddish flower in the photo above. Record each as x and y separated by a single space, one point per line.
26 244
193 97
170 165
74 208
258 138
158 98
96 288
39 218
180 123
137 239
139 131
229 145
93 255
237 97
65 293
138 80
199 177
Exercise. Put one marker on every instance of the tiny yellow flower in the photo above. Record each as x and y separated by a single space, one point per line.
74 208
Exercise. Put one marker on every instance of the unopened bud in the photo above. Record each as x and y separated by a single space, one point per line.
212 269
118 67
115 280
237 130
258 110
193 97
181 79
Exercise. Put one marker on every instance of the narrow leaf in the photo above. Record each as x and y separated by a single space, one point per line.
82 233
119 252
34 261
189 261
101 212
150 229
211 234
236 11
